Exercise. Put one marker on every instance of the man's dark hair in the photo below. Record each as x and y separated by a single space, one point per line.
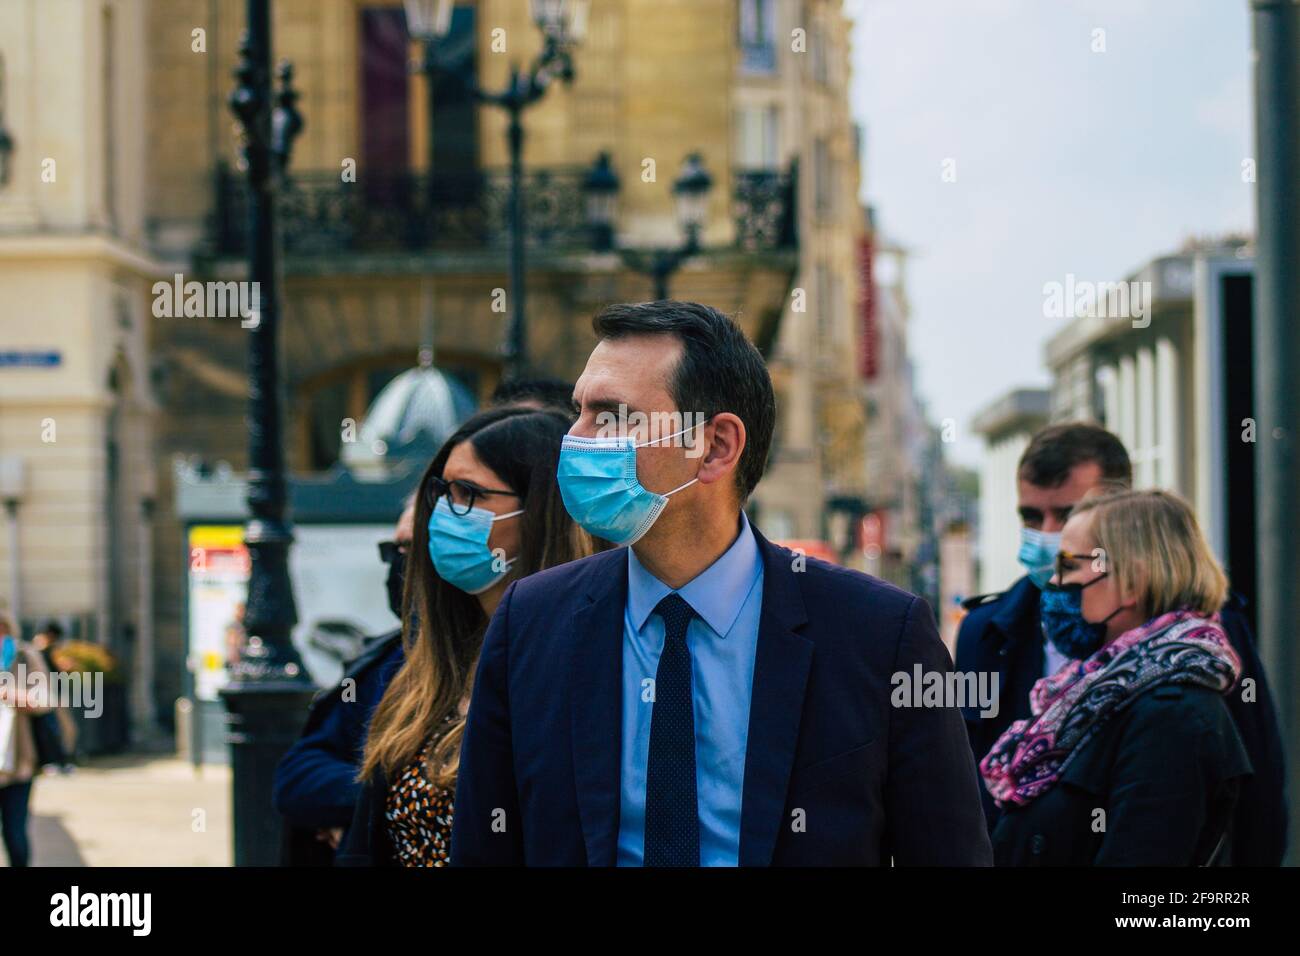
545 392
720 371
54 629
1057 449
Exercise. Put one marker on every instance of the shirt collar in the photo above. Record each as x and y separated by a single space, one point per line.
717 593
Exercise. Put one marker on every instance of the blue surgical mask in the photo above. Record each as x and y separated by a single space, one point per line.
1038 554
601 491
1061 614
458 545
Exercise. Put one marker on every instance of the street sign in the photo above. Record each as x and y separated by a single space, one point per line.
37 359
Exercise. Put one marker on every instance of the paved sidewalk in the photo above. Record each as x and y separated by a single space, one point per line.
132 810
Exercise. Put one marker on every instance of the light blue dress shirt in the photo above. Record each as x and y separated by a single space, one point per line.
727 597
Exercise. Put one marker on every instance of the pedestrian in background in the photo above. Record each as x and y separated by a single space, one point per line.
488 513
1003 634
20 701
1130 756
56 732
315 786
539 393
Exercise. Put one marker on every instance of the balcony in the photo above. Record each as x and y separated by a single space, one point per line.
400 213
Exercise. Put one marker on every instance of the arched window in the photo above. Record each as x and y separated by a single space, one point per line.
325 401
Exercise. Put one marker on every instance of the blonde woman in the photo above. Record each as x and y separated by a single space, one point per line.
20 701
1130 757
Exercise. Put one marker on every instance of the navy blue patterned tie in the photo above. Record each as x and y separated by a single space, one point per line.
672 818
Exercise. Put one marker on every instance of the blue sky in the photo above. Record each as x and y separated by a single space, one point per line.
1067 160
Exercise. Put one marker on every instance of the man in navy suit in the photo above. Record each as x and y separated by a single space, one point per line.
701 696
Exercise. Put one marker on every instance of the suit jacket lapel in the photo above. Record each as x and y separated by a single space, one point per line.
597 707
781 664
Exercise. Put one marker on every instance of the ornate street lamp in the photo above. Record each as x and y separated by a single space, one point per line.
269 691
691 192
601 190
563 25
6 141
429 22
562 21
6 153
428 19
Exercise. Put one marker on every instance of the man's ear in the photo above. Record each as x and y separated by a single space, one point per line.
725 442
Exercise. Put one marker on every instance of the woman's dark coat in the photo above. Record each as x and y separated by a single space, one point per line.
1156 786
366 842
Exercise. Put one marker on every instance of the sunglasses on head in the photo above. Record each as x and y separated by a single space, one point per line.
460 495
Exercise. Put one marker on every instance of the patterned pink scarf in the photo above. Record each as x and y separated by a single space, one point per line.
1071 705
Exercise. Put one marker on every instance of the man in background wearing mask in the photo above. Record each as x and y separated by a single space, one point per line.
315 787
1004 634
699 696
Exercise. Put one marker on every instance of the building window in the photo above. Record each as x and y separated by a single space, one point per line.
823 179
817 54
346 392
455 121
825 305
385 89
757 19
757 134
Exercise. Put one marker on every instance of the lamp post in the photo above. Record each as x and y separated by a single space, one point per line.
691 192
6 141
601 190
268 692
429 22
563 25
1276 48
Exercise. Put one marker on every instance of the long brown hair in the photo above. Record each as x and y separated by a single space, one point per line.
443 636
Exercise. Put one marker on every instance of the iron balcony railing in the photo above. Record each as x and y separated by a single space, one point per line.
400 212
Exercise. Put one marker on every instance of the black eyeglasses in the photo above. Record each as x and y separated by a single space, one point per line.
460 495
1066 557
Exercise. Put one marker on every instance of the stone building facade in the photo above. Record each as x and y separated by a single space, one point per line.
378 261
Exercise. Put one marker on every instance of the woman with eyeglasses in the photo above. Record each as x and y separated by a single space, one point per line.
488 512
1130 756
